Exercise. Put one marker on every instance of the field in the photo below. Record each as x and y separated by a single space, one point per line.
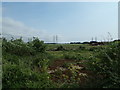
38 65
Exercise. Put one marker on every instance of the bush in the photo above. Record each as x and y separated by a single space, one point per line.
107 63
17 76
19 58
13 76
60 48
17 47
21 48
38 45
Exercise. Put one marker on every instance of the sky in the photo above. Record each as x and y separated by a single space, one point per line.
70 21
0 19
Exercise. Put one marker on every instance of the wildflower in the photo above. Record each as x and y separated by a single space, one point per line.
82 74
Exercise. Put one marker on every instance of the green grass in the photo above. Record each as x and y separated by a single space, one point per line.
66 46
72 50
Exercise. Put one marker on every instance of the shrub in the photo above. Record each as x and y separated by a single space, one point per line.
13 76
17 76
107 63
17 47
38 45
19 58
21 48
60 48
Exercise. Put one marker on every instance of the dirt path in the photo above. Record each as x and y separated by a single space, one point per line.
60 63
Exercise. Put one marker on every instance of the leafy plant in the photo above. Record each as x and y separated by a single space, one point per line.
107 63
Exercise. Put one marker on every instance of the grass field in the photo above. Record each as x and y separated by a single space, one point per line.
38 65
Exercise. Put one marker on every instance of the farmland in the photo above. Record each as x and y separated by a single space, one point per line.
38 65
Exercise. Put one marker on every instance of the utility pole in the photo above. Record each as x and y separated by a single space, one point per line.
56 39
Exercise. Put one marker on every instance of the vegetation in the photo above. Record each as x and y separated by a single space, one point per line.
35 64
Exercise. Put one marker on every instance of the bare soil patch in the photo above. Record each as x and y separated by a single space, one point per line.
60 63
59 75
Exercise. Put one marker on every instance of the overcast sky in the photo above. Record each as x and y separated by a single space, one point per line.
71 21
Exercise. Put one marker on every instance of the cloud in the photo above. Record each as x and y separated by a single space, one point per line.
18 29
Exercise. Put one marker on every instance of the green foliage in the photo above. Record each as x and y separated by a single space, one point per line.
17 47
73 55
21 48
70 85
60 48
19 60
17 76
38 45
95 49
82 48
13 76
107 63
25 65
